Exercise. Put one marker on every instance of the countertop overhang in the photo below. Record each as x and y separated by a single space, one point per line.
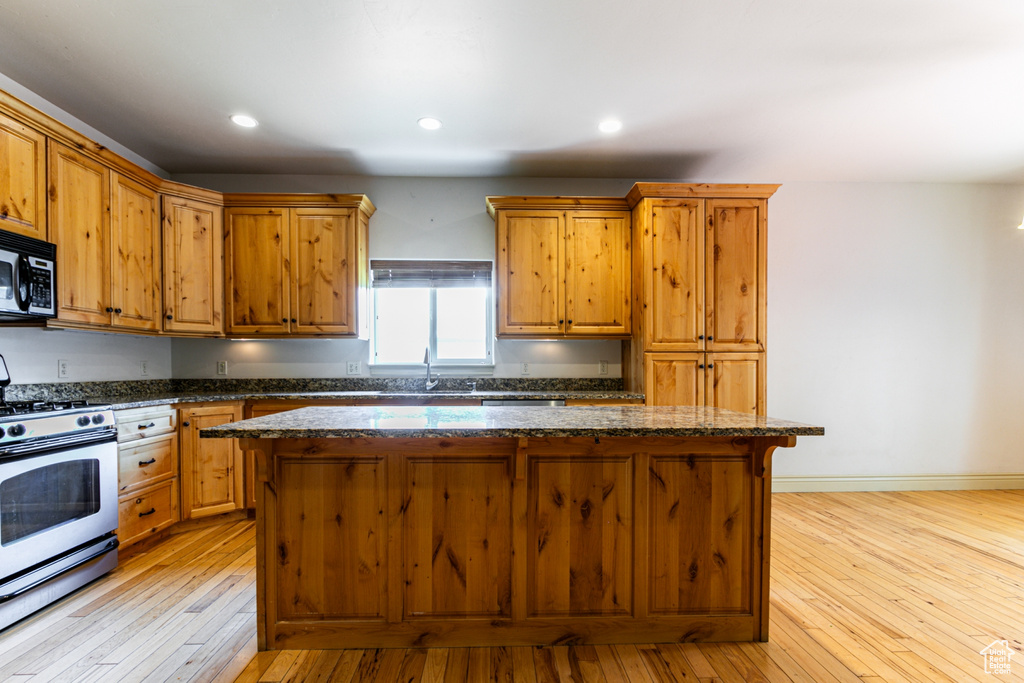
508 422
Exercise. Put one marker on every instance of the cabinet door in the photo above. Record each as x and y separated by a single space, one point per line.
22 179
211 469
256 263
736 280
674 262
530 289
597 267
80 227
674 379
193 234
324 270
135 236
736 382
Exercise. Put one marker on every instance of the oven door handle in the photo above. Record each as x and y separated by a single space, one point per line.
51 444
111 545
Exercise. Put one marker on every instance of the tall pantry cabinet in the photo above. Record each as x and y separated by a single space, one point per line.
700 295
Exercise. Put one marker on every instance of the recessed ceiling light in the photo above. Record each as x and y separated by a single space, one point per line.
610 126
244 121
429 123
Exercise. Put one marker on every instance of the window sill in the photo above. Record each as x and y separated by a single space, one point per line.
436 370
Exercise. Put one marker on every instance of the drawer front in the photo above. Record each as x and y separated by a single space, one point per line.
147 512
143 423
146 462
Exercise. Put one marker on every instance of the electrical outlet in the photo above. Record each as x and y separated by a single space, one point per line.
524 368
602 367
353 367
222 367
63 371
143 368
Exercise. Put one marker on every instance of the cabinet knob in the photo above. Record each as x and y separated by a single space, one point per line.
170 317
186 423
570 322
560 322
117 310
701 366
700 336
711 338
293 320
284 320
710 365
110 309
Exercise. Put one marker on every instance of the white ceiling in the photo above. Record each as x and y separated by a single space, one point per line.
715 90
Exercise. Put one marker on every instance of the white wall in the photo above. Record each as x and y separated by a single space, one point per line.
32 355
896 320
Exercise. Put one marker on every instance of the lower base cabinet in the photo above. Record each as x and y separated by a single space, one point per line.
147 451
211 481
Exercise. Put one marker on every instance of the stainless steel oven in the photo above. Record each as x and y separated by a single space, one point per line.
58 502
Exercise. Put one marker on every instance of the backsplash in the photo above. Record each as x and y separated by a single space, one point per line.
141 388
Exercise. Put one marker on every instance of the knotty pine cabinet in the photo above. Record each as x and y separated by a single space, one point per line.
211 469
147 446
107 232
193 267
297 270
563 267
22 179
700 295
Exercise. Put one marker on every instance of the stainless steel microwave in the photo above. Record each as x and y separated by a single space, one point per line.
28 277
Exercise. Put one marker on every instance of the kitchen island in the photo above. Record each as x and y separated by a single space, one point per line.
481 526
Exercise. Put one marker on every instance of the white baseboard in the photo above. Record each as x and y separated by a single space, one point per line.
907 482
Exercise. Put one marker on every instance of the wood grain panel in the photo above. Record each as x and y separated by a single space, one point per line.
135 262
457 531
211 469
80 226
674 379
193 235
700 525
324 265
22 179
145 462
735 266
736 382
580 536
597 266
256 270
530 291
675 283
330 548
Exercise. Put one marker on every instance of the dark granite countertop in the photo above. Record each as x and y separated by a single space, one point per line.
506 422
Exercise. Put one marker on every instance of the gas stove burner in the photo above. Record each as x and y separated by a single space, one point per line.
29 407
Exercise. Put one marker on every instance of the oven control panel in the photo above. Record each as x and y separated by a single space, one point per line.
54 424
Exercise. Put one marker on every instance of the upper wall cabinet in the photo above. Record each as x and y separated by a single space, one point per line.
193 266
22 179
562 267
299 267
704 267
107 233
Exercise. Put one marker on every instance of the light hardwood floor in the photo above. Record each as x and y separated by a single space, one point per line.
866 587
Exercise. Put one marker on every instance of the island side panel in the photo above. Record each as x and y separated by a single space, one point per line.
609 550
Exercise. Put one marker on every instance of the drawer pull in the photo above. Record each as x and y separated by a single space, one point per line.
147 462
151 424
147 514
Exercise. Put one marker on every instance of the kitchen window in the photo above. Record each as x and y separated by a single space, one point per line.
442 306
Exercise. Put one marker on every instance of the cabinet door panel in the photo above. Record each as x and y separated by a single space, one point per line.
530 292
701 517
135 235
457 528
193 267
736 280
598 282
331 555
256 260
580 536
22 179
674 379
736 382
675 312
211 469
80 226
324 267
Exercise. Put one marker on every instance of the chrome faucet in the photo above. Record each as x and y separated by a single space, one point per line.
426 359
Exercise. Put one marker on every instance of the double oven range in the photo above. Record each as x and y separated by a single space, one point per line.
58 501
